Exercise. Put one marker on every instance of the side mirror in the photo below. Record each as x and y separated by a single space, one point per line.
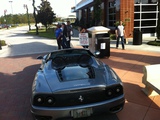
97 53
40 57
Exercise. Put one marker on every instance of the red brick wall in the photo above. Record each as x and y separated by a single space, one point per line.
127 15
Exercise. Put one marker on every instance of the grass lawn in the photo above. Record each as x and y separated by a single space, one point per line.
50 33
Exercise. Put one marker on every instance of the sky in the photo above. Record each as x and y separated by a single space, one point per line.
62 8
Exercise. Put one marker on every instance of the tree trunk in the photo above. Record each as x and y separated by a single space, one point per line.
35 17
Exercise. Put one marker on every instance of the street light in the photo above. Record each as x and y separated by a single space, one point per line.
5 19
11 6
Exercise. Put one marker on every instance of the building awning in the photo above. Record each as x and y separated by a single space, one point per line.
83 3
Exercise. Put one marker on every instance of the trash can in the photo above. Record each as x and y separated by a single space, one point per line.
137 37
99 43
103 45
0 45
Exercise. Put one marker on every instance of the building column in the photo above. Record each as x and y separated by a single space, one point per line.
127 16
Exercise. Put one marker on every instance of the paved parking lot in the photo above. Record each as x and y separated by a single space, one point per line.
18 69
16 76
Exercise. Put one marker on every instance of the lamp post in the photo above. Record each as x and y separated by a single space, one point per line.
5 19
25 6
11 6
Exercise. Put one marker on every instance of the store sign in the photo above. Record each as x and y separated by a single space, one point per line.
83 39
127 20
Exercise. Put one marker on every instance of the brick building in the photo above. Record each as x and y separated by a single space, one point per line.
136 14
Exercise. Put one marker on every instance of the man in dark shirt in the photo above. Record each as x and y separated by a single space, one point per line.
69 30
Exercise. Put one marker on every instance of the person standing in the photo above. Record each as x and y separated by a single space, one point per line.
84 30
69 30
64 36
58 34
120 33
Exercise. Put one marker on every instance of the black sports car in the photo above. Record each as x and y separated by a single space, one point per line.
73 83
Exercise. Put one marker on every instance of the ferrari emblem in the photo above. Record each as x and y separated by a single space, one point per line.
81 98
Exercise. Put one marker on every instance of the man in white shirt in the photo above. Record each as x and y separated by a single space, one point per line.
120 33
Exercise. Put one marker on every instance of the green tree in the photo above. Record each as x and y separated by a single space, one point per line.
16 19
45 14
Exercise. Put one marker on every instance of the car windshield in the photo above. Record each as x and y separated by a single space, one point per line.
70 52
76 73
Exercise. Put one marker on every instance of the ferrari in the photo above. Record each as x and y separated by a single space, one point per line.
74 83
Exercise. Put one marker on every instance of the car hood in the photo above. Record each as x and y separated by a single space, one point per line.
102 79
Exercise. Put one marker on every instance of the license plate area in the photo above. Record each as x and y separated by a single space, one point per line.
78 113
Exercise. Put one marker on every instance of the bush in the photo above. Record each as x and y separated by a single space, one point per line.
112 36
155 43
3 43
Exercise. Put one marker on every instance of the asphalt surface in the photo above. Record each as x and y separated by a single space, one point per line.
19 64
18 43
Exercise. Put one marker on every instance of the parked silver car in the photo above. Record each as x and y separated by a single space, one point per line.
73 83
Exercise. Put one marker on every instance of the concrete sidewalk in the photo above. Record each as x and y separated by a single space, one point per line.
19 43
143 47
42 45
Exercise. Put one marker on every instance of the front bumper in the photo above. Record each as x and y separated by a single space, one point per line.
110 106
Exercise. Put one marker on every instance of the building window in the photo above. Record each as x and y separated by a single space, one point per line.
148 1
102 13
136 1
85 15
111 13
148 23
136 8
145 1
146 15
136 24
149 8
90 16
137 16
151 16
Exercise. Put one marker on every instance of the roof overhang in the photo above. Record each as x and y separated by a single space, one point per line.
83 3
